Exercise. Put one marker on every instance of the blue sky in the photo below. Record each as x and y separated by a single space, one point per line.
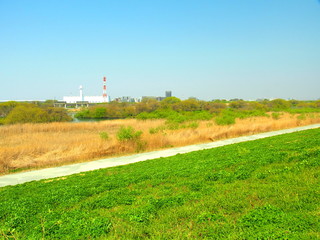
209 49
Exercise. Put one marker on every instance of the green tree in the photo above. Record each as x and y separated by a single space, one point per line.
147 105
57 114
278 104
239 104
100 112
6 108
27 113
188 105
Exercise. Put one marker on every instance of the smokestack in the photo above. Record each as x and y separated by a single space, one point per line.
104 94
81 93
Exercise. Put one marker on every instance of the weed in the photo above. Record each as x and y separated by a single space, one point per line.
141 146
104 135
301 117
157 129
193 125
153 130
275 115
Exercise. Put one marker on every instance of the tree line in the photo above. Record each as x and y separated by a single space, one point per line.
170 108
18 112
149 107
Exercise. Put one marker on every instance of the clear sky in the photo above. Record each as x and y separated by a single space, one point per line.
209 49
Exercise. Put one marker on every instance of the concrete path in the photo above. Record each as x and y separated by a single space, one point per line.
18 178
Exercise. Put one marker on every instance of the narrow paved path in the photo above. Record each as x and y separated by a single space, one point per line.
17 178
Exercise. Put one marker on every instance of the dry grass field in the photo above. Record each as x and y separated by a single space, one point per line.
30 146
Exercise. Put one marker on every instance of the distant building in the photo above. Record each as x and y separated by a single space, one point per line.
90 99
127 99
168 94
149 97
82 98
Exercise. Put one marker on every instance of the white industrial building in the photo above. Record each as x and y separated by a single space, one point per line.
89 99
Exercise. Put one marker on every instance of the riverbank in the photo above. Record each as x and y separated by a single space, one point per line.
34 146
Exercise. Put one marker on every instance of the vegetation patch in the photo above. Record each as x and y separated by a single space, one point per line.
130 136
264 189
16 112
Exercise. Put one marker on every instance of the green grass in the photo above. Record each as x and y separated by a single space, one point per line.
174 116
229 116
264 189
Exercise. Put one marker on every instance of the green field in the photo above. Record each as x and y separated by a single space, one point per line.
264 189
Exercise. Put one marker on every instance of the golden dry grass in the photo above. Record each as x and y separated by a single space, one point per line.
27 146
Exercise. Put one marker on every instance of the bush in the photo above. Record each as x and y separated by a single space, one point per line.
100 112
176 118
153 130
301 117
128 134
104 135
193 125
6 108
27 114
225 120
278 104
12 112
84 113
157 129
275 116
57 114
226 117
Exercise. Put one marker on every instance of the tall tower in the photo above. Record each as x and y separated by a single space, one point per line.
81 93
104 95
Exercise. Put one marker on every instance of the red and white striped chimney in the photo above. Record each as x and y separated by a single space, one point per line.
104 95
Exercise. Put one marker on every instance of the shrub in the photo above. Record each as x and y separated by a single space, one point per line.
203 115
225 120
301 117
104 135
169 102
275 116
157 129
278 104
27 114
141 146
153 130
128 134
143 116
176 118
6 108
57 114
193 125
100 112
84 113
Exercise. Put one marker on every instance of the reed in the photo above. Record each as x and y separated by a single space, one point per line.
30 146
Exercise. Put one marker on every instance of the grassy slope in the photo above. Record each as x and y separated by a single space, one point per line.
267 189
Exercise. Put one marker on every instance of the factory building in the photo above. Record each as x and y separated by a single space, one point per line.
89 99
127 99
168 94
